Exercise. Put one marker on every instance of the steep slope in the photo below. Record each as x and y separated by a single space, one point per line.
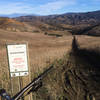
75 77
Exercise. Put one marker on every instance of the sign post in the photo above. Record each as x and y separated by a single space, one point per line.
18 61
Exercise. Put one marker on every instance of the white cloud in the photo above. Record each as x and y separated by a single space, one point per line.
51 7
56 5
13 8
43 9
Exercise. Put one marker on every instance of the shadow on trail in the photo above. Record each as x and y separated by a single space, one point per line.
82 78
90 56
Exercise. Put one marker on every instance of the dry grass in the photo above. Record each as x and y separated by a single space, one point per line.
43 50
89 42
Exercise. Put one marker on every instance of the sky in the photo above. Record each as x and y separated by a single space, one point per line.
47 7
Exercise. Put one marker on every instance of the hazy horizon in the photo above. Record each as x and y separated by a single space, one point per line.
48 14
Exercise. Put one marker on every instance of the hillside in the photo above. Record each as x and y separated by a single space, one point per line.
93 30
75 74
45 50
69 23
68 18
13 25
65 22
74 18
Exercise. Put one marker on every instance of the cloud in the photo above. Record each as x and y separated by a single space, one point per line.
9 8
51 7
42 9
56 5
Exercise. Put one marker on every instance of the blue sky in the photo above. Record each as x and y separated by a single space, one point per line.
47 7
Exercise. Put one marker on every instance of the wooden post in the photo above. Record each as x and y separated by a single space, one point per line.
11 84
30 97
20 84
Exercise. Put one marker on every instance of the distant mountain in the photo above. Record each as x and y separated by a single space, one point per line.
68 21
16 15
67 18
73 23
81 18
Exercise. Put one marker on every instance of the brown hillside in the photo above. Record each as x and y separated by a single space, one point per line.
76 23
13 25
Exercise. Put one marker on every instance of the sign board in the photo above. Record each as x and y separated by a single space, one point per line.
18 60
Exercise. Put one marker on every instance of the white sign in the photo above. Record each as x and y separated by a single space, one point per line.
18 62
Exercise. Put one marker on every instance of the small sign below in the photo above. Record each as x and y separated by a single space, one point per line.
18 62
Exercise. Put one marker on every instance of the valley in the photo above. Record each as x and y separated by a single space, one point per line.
50 40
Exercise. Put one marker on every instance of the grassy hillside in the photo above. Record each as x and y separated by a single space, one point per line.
43 50
74 77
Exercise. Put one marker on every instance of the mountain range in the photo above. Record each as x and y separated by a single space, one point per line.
73 23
